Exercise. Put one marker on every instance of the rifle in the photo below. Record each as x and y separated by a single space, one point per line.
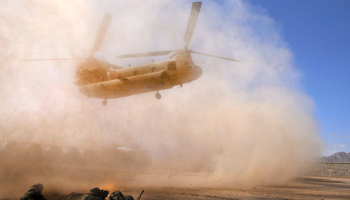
138 198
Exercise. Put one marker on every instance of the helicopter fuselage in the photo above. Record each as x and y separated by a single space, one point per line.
104 83
103 80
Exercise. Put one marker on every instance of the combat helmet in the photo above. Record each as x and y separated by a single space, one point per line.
38 187
95 191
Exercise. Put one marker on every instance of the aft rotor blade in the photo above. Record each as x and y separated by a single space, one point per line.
191 24
230 59
101 32
155 53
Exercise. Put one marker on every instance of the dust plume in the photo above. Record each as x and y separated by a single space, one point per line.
239 125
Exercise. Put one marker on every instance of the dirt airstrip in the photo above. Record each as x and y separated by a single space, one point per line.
326 181
301 188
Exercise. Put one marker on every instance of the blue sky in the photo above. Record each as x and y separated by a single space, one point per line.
318 33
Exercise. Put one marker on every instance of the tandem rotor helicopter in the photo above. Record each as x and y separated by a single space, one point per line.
99 79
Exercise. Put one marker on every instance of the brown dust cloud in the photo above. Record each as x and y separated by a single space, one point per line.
239 125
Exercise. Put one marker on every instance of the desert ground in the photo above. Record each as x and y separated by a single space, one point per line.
324 181
300 188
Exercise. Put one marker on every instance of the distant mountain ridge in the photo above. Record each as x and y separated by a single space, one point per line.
337 157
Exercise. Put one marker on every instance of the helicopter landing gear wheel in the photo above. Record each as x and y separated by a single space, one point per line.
158 96
104 102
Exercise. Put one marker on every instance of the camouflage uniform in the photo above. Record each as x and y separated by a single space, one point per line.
128 197
88 196
95 194
117 195
34 193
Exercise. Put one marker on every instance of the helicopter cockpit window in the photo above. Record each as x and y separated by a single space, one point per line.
188 64
172 65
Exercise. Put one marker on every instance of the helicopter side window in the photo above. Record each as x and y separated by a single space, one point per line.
172 65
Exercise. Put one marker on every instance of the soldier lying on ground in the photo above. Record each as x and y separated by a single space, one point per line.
34 193
95 194
117 195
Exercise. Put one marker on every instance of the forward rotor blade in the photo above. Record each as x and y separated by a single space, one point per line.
101 32
230 59
155 53
191 24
